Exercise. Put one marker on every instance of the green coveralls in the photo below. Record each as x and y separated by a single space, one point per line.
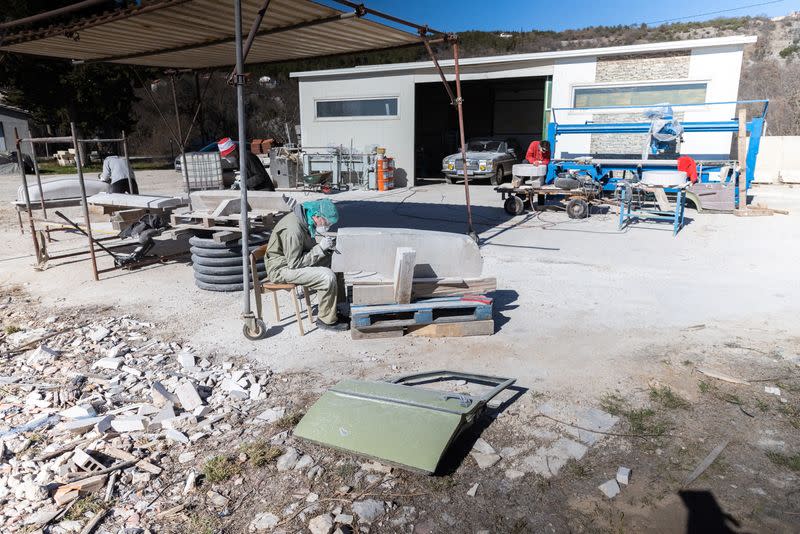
294 257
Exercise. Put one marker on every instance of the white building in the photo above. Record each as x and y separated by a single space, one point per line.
404 107
11 118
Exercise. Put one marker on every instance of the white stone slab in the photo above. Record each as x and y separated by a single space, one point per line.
123 200
439 254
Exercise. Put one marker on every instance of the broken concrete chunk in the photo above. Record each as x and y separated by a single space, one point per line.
513 474
623 475
265 521
287 460
161 396
104 424
129 424
81 426
772 390
42 356
473 490
99 334
78 412
485 460
191 483
176 435
483 447
368 510
186 359
234 390
108 363
188 396
547 461
85 462
217 499
343 519
131 371
610 488
271 415
322 524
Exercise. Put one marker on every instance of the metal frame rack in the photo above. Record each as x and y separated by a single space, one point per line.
634 208
609 171
39 236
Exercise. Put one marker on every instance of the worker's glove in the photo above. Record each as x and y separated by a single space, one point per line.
328 243
289 202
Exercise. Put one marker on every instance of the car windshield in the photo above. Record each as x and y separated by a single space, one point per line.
483 145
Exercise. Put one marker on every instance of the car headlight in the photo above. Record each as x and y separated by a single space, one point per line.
482 164
450 166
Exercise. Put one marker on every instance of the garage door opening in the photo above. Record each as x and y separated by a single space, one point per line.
507 109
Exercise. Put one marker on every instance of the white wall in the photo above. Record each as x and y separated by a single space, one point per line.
778 160
720 67
9 123
396 134
566 74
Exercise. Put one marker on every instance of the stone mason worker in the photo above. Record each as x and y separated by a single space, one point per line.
294 256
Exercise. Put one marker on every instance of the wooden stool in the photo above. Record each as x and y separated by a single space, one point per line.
272 288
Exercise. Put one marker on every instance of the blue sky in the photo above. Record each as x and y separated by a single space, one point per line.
460 15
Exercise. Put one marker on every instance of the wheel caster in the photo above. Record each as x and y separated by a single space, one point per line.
514 205
577 208
259 333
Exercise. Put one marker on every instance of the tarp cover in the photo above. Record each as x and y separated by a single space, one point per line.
200 34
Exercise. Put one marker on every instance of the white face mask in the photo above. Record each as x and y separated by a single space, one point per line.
322 229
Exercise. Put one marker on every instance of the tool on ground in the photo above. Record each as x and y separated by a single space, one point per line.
147 227
397 422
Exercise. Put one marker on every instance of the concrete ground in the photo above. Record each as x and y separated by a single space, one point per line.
581 307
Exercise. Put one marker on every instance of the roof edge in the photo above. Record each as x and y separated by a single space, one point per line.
559 54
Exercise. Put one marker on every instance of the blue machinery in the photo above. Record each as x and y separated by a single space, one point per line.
717 180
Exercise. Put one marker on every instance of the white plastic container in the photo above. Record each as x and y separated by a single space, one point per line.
664 178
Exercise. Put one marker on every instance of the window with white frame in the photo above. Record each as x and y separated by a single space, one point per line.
2 139
640 95
364 107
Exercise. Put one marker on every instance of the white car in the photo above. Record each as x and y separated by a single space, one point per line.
486 158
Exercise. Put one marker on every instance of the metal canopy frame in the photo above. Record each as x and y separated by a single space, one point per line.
143 53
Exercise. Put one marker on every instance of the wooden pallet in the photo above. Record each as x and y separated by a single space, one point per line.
392 320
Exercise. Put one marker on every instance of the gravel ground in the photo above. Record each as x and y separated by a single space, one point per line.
583 313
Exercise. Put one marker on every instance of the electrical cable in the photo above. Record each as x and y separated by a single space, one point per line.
715 12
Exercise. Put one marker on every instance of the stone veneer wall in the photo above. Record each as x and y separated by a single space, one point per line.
632 68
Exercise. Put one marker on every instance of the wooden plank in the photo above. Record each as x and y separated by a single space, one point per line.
461 329
224 237
742 155
355 333
404 261
373 293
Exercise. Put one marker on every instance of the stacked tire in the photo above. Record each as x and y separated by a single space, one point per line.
218 266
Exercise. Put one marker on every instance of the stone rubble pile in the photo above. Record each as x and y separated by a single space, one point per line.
104 409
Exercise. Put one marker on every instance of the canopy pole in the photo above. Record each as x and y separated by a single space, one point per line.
460 105
41 192
21 163
127 161
238 80
440 71
181 140
79 166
